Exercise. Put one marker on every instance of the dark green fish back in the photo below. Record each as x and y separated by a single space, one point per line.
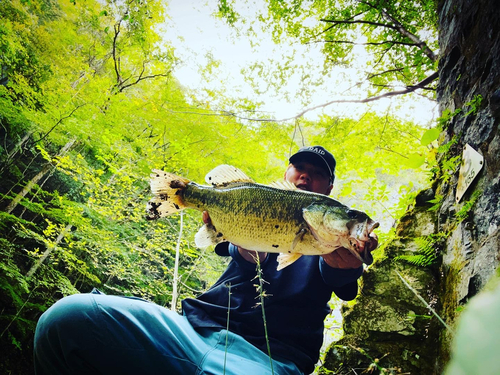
251 199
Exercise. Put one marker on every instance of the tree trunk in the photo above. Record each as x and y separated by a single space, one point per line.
176 267
15 150
49 250
46 168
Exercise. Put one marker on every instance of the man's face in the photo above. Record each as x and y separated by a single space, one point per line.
310 177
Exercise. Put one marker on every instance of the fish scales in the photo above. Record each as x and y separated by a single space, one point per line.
242 210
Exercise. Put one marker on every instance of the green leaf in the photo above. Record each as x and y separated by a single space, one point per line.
430 136
415 161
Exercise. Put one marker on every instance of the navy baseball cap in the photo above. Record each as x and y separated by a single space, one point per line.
316 155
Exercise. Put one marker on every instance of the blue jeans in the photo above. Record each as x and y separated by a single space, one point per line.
102 334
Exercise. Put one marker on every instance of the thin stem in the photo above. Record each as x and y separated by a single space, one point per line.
260 289
425 302
227 326
175 292
18 312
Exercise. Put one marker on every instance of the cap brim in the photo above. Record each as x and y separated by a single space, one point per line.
222 249
309 155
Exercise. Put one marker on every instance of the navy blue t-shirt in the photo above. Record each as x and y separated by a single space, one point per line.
295 307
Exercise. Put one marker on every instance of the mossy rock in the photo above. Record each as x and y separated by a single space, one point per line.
389 329
401 356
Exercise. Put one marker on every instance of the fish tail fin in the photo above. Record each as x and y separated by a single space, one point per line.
167 189
207 236
284 260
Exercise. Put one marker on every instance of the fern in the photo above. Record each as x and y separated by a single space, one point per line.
464 211
474 105
417 259
436 202
427 252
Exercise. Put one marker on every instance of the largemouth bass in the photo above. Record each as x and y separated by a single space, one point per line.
278 218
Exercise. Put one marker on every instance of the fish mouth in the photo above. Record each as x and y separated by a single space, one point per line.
364 255
361 234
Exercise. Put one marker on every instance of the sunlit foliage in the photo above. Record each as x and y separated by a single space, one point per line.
88 106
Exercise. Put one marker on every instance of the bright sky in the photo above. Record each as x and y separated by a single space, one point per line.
198 37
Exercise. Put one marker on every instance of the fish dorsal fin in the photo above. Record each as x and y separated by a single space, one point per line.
224 175
284 184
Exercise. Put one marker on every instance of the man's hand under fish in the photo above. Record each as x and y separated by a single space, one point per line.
340 258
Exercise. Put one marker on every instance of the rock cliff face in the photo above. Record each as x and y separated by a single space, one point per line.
470 69
390 329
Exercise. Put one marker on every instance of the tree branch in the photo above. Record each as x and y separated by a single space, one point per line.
382 54
330 27
392 42
167 74
371 23
57 123
401 29
395 70
409 89
115 57
421 85
394 25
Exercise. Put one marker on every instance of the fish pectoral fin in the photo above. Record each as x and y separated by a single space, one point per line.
224 175
207 236
298 237
284 260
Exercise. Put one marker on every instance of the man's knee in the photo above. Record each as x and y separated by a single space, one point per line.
66 316
63 329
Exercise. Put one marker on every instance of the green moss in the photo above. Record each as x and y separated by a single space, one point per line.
475 346
449 307
388 328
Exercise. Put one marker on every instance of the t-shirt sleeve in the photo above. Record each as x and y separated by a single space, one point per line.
343 281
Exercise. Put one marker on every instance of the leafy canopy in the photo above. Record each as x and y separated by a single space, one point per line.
392 45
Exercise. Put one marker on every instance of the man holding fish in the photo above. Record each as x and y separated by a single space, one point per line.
265 230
